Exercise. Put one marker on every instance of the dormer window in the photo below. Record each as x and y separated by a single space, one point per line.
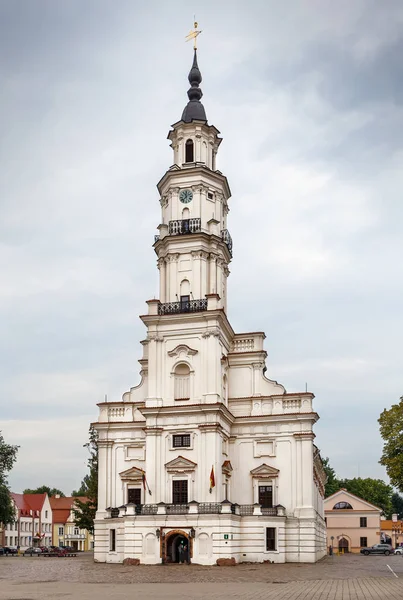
189 151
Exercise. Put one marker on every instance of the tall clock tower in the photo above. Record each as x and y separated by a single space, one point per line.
206 455
194 246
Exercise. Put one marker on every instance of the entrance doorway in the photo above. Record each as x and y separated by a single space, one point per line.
343 545
177 548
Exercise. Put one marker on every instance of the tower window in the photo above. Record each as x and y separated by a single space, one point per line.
210 195
189 152
182 382
181 441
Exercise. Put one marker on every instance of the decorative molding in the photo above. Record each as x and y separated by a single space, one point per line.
182 348
200 254
134 474
180 465
209 332
227 468
264 472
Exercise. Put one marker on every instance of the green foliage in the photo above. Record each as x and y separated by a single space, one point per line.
374 491
8 456
391 428
397 504
84 514
332 483
44 488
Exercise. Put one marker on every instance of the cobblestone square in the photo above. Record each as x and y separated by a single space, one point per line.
349 577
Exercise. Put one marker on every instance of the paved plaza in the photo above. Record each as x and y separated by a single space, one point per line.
345 578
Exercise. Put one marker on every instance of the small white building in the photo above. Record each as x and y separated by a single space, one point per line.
206 452
33 524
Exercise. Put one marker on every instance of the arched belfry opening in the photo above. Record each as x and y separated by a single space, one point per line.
189 151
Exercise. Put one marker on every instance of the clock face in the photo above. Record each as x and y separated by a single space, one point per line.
186 196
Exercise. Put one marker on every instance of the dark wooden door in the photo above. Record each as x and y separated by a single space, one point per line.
266 496
134 496
180 492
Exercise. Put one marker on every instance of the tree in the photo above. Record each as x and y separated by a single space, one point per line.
8 456
45 489
84 514
332 483
374 491
397 504
391 428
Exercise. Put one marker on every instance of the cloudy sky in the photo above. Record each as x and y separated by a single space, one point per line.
308 96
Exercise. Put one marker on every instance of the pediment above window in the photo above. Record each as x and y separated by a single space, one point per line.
133 474
182 349
180 465
264 472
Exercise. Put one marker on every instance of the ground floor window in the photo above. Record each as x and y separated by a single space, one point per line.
112 540
363 542
270 538
180 491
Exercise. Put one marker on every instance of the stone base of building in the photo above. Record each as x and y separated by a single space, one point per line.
155 539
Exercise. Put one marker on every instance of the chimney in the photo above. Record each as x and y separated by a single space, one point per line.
57 495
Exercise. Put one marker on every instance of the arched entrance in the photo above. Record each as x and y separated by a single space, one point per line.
343 545
177 548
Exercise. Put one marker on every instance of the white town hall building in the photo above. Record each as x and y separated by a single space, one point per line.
206 458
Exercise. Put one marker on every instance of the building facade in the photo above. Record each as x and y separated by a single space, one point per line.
65 531
352 523
33 523
207 457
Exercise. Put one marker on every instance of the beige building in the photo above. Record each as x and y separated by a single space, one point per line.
351 521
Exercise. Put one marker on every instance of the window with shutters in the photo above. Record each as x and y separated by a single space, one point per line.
182 382
180 491
270 538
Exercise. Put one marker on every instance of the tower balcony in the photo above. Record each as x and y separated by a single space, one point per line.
182 306
184 226
227 239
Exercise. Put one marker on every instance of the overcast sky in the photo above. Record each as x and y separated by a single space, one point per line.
308 97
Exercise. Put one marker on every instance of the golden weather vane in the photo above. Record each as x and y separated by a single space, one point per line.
192 35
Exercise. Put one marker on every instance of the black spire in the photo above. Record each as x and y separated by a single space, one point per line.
194 110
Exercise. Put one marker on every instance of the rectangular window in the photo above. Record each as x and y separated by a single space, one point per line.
266 496
112 540
270 538
76 531
210 195
134 496
61 530
180 491
363 542
46 514
363 521
181 441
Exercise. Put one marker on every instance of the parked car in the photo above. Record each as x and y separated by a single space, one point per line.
44 549
378 549
10 550
1 551
32 551
399 550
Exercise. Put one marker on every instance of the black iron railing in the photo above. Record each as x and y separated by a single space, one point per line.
182 306
184 226
246 509
209 508
227 239
177 509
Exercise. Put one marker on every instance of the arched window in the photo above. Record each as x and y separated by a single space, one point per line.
204 153
189 153
342 506
182 382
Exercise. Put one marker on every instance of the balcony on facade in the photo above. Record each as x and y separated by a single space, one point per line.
196 508
182 306
75 536
184 226
227 239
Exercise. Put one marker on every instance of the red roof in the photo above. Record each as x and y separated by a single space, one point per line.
27 502
61 507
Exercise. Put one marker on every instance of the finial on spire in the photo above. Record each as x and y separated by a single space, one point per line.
194 110
192 35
